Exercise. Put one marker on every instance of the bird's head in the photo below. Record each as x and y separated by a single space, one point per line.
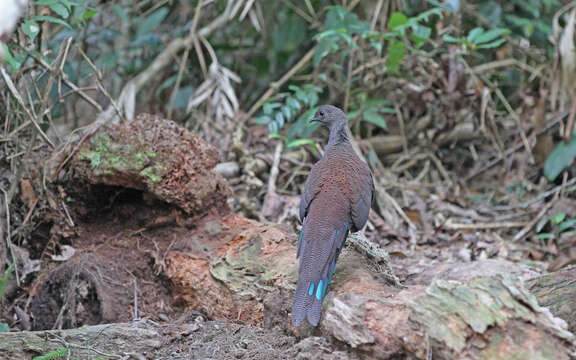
329 115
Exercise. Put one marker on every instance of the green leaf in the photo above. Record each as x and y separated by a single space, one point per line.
52 19
31 29
61 10
279 119
287 111
4 279
273 127
491 35
14 64
396 52
374 118
446 6
293 103
473 34
567 225
262 120
422 32
88 14
152 21
558 218
397 19
300 142
545 236
277 136
324 48
4 327
269 107
95 159
562 156
451 39
492 44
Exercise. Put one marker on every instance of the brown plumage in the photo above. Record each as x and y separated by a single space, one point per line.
336 199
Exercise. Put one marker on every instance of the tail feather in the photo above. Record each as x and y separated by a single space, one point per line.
318 259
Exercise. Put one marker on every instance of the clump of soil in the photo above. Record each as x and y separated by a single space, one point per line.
159 157
134 191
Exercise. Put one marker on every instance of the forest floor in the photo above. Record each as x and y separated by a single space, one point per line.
125 246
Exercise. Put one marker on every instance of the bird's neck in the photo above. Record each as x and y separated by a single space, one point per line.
338 134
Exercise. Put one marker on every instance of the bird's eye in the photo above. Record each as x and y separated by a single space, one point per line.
321 113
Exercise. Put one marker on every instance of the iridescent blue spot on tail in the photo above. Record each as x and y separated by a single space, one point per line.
311 289
319 290
324 289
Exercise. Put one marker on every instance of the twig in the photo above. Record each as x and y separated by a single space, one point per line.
526 229
136 316
8 235
275 86
538 198
376 14
70 84
482 226
570 123
185 57
516 147
402 127
518 122
100 85
66 344
273 176
18 97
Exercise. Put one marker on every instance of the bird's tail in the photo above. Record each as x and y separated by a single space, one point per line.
318 259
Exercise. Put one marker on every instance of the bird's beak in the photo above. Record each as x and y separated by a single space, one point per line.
315 119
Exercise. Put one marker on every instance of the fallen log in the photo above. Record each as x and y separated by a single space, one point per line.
88 342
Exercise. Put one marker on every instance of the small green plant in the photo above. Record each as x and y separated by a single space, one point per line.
559 224
56 354
3 282
560 158
478 38
370 110
69 14
402 29
299 103
340 26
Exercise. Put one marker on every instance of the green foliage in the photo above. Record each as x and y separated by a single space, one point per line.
3 282
340 26
530 19
404 29
68 14
478 38
559 224
285 107
370 110
148 24
56 354
560 158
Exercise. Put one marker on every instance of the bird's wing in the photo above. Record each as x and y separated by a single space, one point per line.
311 188
362 197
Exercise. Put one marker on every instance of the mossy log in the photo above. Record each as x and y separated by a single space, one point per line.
87 342
557 292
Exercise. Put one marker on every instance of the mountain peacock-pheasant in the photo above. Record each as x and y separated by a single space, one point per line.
337 198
